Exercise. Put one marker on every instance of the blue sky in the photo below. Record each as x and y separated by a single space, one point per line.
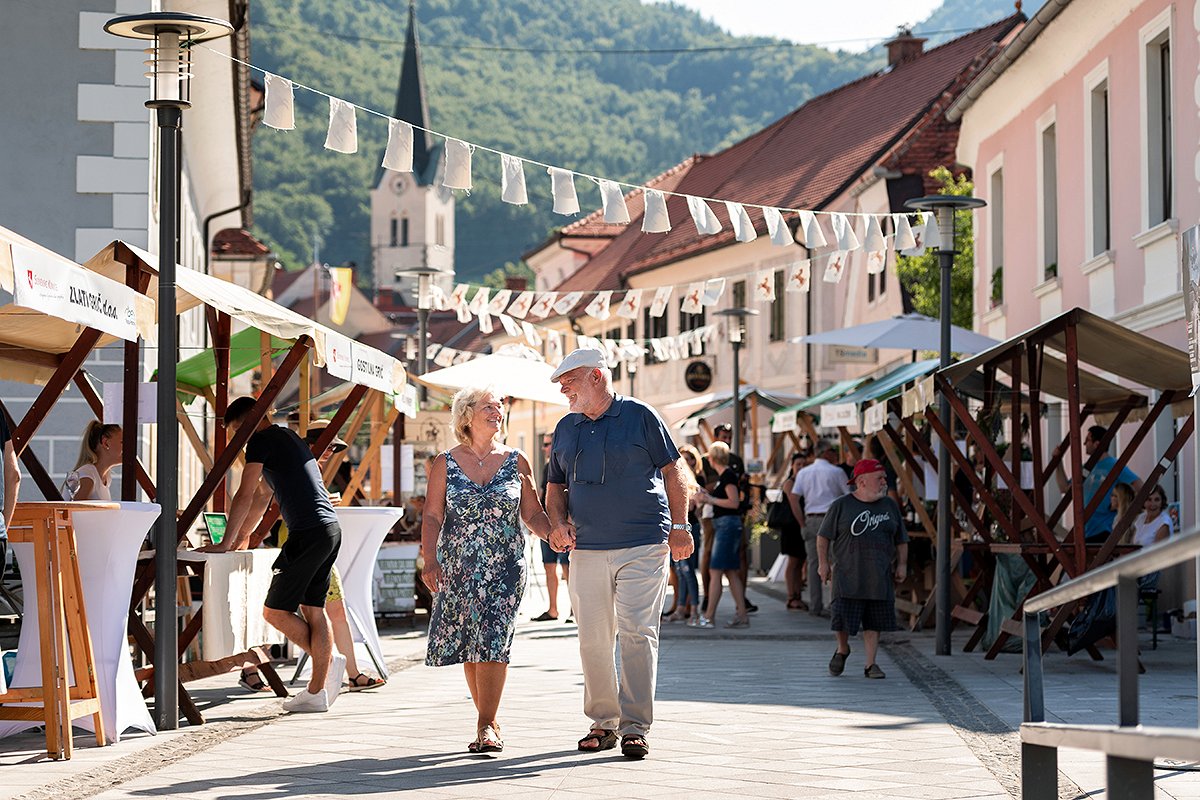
848 25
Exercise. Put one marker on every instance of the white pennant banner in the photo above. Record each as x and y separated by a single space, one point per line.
554 347
532 337
799 276
343 127
655 218
567 302
612 354
713 289
459 296
764 286
510 326
613 198
702 214
660 351
399 154
662 296
777 227
444 357
836 266
485 322
933 236
543 305
479 303
904 234
843 231
279 112
743 228
598 308
876 260
438 298
814 237
520 307
631 304
874 238
692 299
458 164
919 242
562 184
512 180
499 301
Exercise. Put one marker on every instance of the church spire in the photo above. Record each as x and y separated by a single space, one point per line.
410 98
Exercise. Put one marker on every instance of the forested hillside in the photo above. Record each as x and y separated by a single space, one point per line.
530 77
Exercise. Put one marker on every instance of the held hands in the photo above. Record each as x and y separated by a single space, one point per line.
562 538
681 544
431 574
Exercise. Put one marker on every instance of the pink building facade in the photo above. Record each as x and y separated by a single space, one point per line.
1082 138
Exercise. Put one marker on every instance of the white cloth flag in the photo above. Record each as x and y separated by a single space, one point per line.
691 299
598 308
562 184
843 231
764 285
799 276
777 227
836 266
876 259
612 196
814 237
532 337
444 357
438 298
660 350
702 214
343 127
612 353
458 164
933 235
874 239
919 239
520 307
630 350
662 296
904 233
631 305
554 347
399 154
510 326
655 218
512 180
713 289
479 303
743 228
485 322
458 297
567 302
280 108
499 301
543 305
672 345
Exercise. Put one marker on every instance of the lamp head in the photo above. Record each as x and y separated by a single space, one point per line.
170 62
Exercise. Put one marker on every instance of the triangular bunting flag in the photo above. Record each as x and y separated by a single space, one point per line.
612 353
479 303
655 218
713 289
554 347
933 235
458 297
399 154
532 337
662 296
814 237
777 227
512 180
874 238
692 299
743 228
510 326
562 184
799 276
631 304
458 164
485 322
876 259
904 233
764 285
612 196
438 298
343 127
706 221
918 235
843 231
543 305
660 350
568 302
279 112
500 301
836 266
444 357
598 308
520 306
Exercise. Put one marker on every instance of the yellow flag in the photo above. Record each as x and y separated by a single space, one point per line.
340 285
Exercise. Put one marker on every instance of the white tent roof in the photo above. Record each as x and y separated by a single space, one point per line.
516 376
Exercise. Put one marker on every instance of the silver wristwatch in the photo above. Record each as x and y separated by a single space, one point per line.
681 526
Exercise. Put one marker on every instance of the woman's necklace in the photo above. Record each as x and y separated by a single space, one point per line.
478 458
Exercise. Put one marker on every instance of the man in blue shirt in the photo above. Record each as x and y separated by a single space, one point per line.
618 502
1100 523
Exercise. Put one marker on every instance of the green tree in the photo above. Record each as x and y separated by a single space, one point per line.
921 276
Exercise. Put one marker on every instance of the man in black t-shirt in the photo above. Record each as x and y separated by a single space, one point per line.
10 480
279 463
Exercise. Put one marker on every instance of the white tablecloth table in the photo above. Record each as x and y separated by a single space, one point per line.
107 541
235 586
363 530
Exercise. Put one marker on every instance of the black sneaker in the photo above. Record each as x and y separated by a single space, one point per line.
750 607
837 664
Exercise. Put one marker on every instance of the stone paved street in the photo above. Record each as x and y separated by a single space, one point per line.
746 714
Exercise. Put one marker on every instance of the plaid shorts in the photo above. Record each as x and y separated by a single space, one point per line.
848 614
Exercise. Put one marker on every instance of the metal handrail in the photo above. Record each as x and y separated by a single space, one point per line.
1129 748
1149 559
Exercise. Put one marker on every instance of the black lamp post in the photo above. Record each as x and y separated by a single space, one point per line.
737 335
944 206
424 276
172 35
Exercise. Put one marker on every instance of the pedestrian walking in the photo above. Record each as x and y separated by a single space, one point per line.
618 501
474 553
817 485
726 554
551 561
279 463
863 547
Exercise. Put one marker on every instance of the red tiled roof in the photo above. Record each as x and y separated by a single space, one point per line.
804 160
282 279
238 242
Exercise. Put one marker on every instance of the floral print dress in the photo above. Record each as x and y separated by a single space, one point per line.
481 550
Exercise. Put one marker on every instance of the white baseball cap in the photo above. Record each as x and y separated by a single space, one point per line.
583 357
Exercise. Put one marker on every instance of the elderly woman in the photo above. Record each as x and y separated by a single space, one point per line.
473 548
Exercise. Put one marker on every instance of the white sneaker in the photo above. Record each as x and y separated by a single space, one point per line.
306 702
333 679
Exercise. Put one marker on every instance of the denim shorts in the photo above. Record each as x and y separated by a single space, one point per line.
727 544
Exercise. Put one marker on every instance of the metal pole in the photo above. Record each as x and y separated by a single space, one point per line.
942 625
166 634
737 401
422 346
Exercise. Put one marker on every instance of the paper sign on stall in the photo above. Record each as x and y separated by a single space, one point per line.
875 417
371 368
837 415
783 423
114 403
406 401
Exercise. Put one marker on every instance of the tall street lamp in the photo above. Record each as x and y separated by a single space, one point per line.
737 335
944 206
172 35
424 276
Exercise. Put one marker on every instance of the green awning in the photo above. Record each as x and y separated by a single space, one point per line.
836 390
199 372
891 383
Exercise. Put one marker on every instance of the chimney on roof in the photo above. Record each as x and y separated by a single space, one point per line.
905 47
516 284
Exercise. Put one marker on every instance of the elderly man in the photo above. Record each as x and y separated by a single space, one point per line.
618 501
866 534
818 485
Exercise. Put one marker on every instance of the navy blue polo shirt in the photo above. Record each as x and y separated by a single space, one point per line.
612 468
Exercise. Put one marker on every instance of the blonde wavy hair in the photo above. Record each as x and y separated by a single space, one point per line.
718 454
462 411
689 475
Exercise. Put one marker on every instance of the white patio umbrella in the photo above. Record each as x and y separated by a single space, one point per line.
515 373
903 332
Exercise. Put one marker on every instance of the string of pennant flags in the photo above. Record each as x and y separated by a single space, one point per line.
909 234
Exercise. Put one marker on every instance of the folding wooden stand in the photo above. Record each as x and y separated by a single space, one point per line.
61 619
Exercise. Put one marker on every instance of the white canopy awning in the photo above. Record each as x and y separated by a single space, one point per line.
516 376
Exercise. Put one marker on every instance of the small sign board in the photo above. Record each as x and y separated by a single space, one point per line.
1191 298
114 401
698 376
394 584
844 354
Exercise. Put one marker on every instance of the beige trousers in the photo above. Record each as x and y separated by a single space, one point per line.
619 594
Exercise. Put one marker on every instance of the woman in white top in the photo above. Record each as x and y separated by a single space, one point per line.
98 454
1152 526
